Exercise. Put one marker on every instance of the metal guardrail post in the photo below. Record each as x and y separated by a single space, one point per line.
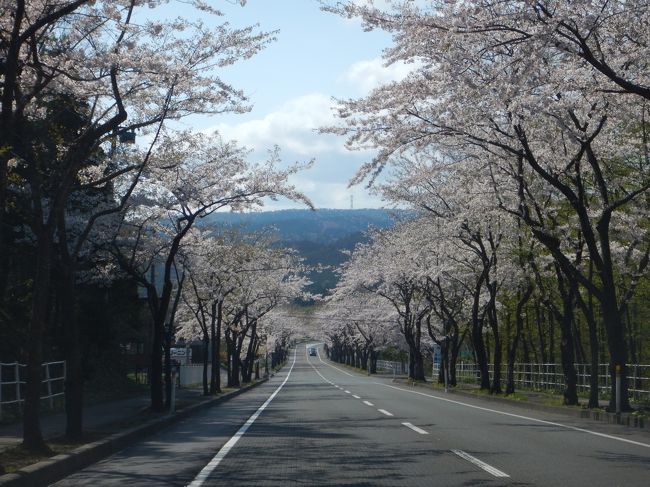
617 371
17 379
49 385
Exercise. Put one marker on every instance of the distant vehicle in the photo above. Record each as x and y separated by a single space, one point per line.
312 351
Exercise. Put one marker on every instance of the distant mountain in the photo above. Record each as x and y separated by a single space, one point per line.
323 226
319 236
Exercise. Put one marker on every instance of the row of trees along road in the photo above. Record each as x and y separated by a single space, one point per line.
77 78
520 136
235 287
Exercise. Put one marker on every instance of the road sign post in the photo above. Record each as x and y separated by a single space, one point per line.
172 401
617 370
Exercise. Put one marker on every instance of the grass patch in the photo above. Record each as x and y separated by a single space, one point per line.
13 459
553 400
516 396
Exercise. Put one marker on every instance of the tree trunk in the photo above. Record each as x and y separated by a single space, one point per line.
206 359
568 360
540 332
250 358
617 353
495 388
32 435
74 367
594 346
230 350
481 356
519 324
156 391
215 332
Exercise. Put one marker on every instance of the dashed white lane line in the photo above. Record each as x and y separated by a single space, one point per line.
519 416
383 411
488 468
368 403
348 392
355 396
221 454
415 428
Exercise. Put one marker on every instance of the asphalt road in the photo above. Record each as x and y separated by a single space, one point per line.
317 424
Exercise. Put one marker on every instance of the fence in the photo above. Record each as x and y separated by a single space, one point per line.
551 377
11 383
392 367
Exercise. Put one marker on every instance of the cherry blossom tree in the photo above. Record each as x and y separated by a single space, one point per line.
550 96
190 177
368 319
115 69
268 278
386 267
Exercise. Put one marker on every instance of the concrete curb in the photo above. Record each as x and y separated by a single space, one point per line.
60 466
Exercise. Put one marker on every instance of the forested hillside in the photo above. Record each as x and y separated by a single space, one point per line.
321 237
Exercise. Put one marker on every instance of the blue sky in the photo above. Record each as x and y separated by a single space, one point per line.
317 56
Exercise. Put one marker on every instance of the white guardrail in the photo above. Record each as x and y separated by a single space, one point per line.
12 381
392 367
550 377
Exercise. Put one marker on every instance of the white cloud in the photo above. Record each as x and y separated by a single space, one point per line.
369 74
328 195
293 126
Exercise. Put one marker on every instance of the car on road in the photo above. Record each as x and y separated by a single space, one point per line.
312 351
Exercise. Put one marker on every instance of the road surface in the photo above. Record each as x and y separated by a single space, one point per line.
315 423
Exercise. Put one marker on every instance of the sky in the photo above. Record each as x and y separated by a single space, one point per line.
292 83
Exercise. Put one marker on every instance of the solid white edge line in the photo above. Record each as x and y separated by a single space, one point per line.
221 454
488 468
383 411
368 403
330 365
416 429
518 416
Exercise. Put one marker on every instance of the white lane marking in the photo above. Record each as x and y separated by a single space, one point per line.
368 403
355 396
221 454
415 428
330 365
383 411
488 468
348 392
518 416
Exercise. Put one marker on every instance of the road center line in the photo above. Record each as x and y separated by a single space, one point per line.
488 468
415 428
368 403
518 416
383 411
221 454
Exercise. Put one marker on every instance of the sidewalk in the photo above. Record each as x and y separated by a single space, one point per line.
117 429
97 416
